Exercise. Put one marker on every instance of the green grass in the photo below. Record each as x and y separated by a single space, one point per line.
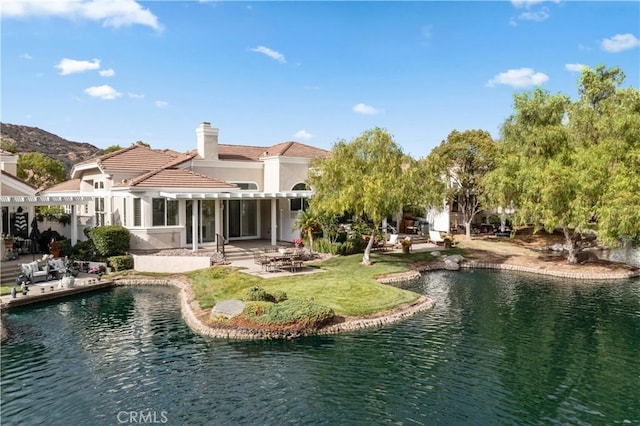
5 289
345 285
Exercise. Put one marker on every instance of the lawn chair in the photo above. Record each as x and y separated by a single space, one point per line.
435 237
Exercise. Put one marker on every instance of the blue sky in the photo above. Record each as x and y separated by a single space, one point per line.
117 71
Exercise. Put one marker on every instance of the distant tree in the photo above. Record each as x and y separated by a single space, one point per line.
40 170
141 143
365 176
455 169
574 166
112 148
8 145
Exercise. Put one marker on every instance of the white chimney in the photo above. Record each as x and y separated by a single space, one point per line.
207 137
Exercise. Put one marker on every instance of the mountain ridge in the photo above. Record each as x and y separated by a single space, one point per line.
33 139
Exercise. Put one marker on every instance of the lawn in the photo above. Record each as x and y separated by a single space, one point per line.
344 285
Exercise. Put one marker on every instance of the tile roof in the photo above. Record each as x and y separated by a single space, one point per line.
16 178
138 158
295 149
176 178
67 185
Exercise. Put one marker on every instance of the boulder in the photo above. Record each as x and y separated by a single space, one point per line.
228 308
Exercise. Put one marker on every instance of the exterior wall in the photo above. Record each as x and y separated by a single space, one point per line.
272 174
155 238
292 171
232 172
9 163
8 190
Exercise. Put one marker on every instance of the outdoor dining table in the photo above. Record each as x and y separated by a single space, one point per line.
279 260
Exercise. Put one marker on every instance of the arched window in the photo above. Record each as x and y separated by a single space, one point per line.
298 204
247 186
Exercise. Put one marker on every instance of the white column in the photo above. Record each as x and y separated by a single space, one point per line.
195 228
74 226
274 222
218 219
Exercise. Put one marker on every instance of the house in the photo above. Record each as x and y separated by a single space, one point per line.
216 192
18 200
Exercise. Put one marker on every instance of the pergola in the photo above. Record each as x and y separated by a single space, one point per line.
50 200
238 195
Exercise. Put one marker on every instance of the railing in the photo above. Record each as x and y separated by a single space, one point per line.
220 242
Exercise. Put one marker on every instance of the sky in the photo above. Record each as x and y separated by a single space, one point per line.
113 72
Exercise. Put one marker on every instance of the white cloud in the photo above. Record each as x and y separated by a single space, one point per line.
107 73
303 134
26 56
72 66
519 78
135 96
270 53
365 109
536 16
103 92
112 13
162 104
620 42
520 4
574 67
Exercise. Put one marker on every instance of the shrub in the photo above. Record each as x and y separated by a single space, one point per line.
279 296
121 263
65 248
85 250
305 313
256 294
111 240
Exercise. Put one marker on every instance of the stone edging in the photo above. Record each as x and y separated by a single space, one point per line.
189 315
551 272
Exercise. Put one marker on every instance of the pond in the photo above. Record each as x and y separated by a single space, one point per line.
497 349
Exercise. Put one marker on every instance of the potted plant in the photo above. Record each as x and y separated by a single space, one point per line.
448 241
68 279
8 241
406 245
297 242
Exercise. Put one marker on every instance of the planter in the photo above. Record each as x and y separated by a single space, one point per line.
406 249
447 244
67 282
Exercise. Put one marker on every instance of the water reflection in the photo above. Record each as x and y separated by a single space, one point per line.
496 349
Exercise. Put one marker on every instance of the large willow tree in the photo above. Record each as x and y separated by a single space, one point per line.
365 176
454 170
573 166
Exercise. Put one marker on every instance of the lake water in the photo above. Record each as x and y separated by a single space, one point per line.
497 349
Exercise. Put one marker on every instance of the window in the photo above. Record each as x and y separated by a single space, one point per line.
99 211
298 204
124 212
165 212
247 186
137 212
98 185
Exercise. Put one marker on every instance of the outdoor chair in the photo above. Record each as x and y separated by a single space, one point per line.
435 237
261 260
392 242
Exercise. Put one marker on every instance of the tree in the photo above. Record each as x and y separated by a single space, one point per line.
112 148
365 176
455 169
8 145
573 165
40 170
307 222
141 143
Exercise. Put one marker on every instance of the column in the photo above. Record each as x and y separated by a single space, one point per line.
195 228
74 225
274 222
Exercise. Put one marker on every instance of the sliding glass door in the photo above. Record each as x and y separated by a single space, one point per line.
241 218
206 219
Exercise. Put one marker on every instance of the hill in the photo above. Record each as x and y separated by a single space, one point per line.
33 139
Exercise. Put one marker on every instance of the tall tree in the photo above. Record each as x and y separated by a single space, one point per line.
40 170
365 175
112 148
454 170
573 165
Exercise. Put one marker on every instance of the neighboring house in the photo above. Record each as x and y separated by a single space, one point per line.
169 199
12 185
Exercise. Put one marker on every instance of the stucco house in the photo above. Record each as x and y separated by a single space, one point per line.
169 199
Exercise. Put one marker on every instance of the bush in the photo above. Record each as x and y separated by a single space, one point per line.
256 294
86 250
65 248
111 240
121 263
279 296
302 312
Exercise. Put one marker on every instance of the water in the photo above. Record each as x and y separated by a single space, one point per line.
497 349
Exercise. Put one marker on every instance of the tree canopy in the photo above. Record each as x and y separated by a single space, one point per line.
40 170
365 176
573 165
454 170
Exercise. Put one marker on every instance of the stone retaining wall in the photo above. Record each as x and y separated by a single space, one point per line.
554 273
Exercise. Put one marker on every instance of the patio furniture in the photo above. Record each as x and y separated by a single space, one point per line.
435 237
34 272
392 242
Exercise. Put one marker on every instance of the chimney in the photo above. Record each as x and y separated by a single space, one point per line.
207 138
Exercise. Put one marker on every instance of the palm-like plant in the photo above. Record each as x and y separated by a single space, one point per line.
307 222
